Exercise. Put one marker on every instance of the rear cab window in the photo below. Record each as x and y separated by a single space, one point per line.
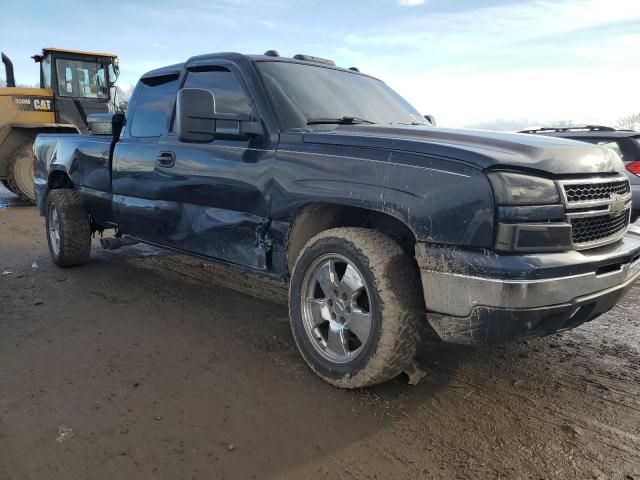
610 143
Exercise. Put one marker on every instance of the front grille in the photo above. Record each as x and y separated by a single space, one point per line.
597 208
587 230
588 192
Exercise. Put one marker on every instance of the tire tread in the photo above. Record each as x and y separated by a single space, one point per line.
397 285
23 150
75 230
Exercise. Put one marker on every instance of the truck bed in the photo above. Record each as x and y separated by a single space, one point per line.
85 158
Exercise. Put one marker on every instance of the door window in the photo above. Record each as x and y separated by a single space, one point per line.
225 85
154 105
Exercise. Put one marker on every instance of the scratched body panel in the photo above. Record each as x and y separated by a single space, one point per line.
440 201
86 159
216 200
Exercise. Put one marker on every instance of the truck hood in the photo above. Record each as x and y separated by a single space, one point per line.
484 149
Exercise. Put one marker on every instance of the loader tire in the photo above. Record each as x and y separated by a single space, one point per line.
20 179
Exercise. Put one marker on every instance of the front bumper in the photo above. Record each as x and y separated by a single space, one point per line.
477 297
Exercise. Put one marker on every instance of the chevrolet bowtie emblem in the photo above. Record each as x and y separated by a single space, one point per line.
617 205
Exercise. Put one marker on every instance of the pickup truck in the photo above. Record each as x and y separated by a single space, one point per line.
325 178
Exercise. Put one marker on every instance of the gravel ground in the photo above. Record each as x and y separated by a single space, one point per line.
141 365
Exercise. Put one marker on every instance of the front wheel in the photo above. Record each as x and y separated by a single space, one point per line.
355 307
68 228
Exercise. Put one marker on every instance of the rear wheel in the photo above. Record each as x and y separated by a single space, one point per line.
20 180
355 307
68 228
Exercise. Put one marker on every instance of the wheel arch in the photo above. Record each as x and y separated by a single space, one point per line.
59 178
313 218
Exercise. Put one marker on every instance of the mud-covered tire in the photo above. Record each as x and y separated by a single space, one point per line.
66 214
20 179
395 305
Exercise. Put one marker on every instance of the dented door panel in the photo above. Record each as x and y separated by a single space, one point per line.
217 201
137 187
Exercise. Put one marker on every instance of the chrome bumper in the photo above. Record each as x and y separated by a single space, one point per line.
461 306
457 294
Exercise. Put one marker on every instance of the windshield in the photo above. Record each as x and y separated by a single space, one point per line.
309 97
81 78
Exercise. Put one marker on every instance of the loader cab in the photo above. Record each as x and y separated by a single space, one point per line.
82 83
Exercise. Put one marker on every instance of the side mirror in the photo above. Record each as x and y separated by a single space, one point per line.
431 119
105 124
198 122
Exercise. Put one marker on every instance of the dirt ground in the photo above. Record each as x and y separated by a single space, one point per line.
141 366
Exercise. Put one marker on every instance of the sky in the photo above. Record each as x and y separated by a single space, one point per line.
480 64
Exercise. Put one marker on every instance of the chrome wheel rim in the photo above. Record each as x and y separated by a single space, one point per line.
336 308
54 230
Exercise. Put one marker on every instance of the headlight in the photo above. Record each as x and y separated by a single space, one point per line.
520 189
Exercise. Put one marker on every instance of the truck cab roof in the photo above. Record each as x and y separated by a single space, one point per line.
239 57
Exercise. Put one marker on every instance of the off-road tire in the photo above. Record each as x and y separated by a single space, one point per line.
20 179
74 228
396 305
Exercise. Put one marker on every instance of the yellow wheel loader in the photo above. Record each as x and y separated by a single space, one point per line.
73 84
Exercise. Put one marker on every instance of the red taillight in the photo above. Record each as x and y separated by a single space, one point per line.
634 167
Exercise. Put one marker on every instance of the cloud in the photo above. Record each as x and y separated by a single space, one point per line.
410 3
495 26
460 96
526 63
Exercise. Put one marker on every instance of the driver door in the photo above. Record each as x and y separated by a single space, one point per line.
217 201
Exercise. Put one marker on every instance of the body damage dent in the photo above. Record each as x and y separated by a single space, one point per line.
236 237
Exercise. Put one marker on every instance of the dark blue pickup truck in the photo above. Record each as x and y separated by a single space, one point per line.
325 178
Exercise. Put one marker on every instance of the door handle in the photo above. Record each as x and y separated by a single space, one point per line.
166 159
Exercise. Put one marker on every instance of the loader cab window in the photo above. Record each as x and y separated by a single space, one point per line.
153 106
45 65
81 79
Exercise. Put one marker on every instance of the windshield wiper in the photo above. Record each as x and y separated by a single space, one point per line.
338 121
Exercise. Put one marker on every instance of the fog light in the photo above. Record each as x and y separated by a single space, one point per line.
533 237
